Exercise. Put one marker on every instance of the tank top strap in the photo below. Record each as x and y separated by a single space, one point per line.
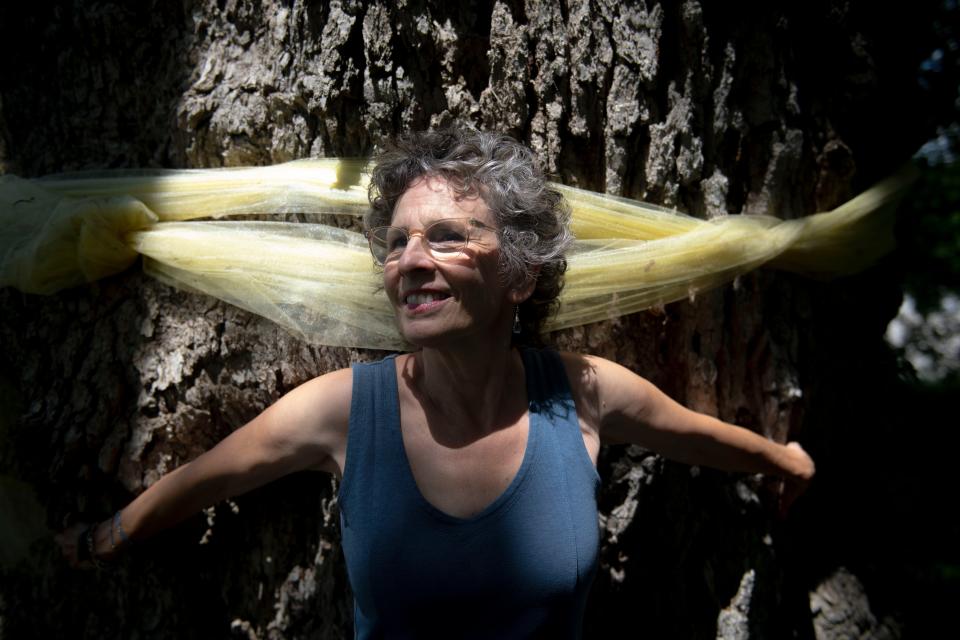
547 386
550 396
374 416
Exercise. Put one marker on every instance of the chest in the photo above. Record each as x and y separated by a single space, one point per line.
461 477
522 539
520 549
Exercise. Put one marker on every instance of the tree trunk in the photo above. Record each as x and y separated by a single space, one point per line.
705 107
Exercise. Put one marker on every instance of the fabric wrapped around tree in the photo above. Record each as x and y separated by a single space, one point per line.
319 281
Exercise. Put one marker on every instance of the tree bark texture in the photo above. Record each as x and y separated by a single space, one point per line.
706 107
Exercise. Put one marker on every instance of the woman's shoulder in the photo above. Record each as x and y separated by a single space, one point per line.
325 383
583 377
583 370
600 386
591 370
385 361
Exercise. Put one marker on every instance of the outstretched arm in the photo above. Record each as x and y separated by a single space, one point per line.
626 408
307 428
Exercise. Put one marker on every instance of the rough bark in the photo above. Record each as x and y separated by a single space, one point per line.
703 107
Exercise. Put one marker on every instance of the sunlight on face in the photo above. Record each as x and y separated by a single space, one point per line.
441 300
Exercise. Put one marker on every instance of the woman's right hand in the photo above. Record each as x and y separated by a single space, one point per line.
69 542
73 544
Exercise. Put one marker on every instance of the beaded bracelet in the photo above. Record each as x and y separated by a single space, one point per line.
89 541
119 527
83 552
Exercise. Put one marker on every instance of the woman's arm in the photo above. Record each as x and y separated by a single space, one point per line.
626 408
307 428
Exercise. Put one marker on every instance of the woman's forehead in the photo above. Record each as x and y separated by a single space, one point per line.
431 198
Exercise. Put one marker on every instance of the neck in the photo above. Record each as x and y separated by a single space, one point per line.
471 387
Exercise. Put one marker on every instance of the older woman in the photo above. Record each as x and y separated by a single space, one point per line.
469 465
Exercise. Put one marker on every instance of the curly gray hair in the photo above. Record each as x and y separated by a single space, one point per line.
533 220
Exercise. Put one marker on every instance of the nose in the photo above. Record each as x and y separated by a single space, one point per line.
416 255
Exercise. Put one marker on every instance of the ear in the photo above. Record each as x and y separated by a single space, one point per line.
519 293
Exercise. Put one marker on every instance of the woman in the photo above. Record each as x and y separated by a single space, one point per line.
468 493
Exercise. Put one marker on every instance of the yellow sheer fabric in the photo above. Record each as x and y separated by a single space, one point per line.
319 281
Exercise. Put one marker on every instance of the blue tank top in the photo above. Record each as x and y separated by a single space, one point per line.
520 568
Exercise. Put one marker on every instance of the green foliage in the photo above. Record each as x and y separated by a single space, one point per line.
929 235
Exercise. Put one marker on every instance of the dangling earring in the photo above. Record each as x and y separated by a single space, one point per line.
516 321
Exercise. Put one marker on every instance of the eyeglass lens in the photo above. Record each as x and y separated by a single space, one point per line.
442 237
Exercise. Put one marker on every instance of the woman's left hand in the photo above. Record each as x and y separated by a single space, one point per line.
798 479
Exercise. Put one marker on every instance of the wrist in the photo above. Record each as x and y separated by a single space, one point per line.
119 538
82 545
799 465
100 549
102 541
87 546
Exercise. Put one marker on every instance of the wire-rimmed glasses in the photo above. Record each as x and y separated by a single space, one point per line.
444 239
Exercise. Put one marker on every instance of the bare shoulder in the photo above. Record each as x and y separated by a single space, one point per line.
593 374
581 370
586 375
315 416
329 394
604 390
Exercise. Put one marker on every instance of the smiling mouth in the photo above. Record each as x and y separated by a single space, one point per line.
417 299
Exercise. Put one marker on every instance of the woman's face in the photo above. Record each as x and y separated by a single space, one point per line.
455 298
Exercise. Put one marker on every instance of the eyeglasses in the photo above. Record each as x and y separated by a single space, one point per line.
445 238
